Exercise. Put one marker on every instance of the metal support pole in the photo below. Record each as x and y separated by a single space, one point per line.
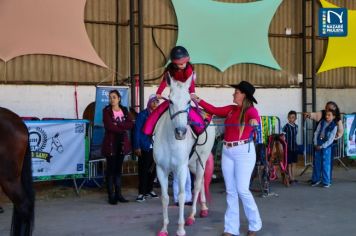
117 42
304 64
313 58
141 58
132 53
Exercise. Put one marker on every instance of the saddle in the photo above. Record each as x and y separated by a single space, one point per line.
197 118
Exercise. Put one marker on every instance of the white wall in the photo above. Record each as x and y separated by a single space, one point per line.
46 101
344 98
59 101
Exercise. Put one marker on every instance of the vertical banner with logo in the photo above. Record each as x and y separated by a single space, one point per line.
333 22
59 148
102 100
350 135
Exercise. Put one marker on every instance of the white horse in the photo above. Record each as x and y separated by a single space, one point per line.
173 141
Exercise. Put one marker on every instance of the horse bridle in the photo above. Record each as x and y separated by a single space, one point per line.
178 112
172 116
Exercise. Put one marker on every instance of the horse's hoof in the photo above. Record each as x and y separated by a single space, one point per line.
161 233
189 221
204 213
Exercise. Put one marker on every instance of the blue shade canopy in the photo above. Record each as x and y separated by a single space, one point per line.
223 34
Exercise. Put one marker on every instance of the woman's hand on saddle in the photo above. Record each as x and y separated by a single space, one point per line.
194 97
159 96
138 152
306 115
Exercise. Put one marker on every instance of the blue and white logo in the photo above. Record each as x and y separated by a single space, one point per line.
333 22
80 167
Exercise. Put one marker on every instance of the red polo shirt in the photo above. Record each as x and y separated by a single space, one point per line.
232 124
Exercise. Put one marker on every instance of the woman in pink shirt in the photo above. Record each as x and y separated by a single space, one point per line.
117 121
238 156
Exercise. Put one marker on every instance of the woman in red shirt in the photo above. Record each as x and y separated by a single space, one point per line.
238 156
117 122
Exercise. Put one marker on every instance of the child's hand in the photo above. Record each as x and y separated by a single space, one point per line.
159 96
195 97
318 148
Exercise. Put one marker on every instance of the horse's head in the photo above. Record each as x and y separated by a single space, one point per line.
56 144
179 106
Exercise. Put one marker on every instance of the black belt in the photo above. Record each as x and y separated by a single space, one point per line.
236 143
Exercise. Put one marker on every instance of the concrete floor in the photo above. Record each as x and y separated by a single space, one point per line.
298 210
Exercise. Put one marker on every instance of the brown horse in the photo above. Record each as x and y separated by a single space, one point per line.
16 171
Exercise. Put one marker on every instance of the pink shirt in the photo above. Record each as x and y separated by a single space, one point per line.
118 114
232 124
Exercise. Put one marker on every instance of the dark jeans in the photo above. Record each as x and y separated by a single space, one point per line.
114 165
113 177
146 172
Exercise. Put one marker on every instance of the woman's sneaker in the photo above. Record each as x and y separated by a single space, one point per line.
326 185
140 198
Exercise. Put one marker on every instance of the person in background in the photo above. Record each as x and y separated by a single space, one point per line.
317 116
187 189
291 130
323 138
143 150
238 156
117 123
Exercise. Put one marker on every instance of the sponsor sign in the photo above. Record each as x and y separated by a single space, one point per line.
59 149
333 22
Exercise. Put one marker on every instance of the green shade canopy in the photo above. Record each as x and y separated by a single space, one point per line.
223 34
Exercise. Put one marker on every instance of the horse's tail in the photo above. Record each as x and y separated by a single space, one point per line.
208 173
23 219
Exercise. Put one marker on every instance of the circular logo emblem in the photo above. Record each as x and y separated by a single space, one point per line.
38 139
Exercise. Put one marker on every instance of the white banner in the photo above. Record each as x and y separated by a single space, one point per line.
350 137
57 147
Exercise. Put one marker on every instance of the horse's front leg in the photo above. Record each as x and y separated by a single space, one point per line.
198 186
182 179
163 180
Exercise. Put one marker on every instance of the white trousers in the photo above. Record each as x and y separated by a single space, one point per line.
237 166
188 188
